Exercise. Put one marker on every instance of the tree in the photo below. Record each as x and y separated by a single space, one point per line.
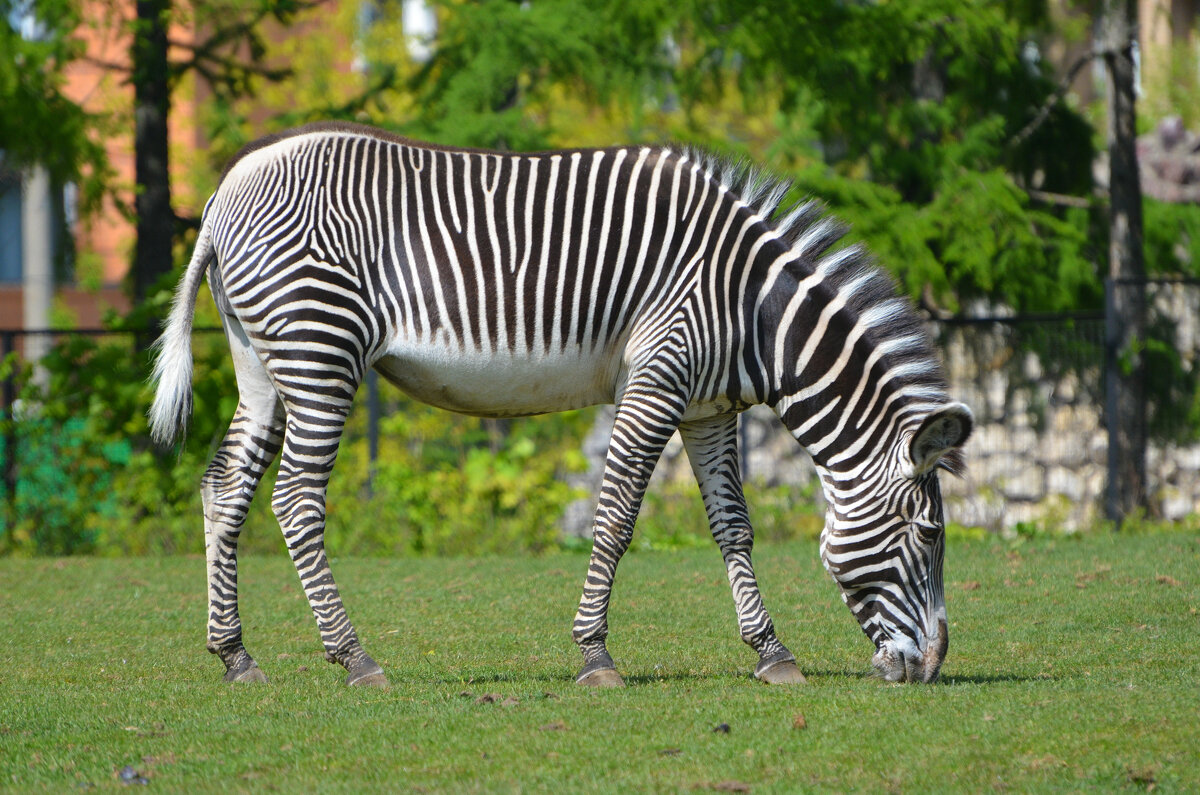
152 99
226 54
905 117
1126 312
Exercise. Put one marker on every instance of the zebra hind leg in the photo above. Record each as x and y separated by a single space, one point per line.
712 450
645 420
250 445
309 451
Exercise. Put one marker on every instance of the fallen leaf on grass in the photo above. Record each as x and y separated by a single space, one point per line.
1167 579
799 722
1043 762
1083 578
158 731
554 726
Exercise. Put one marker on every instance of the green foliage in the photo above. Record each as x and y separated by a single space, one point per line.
989 241
908 119
38 123
448 484
1172 248
980 236
909 92
1172 238
904 117
62 512
673 515
497 61
1171 86
1172 384
89 480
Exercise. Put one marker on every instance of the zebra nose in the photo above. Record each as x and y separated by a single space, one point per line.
934 652
902 660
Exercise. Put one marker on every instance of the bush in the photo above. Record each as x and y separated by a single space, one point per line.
449 484
91 482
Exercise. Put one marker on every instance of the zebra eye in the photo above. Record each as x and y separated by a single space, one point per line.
926 533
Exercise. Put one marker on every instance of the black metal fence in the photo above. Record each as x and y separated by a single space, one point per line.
1035 382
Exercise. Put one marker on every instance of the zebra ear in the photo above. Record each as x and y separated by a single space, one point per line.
945 429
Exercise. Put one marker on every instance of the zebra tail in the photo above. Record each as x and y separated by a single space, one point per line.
173 350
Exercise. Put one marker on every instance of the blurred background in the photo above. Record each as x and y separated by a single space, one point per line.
1029 171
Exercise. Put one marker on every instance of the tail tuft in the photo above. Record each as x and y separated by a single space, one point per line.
173 379
172 375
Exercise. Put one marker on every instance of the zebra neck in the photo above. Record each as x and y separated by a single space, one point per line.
849 381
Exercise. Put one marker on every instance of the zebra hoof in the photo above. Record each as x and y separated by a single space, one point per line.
249 673
367 675
603 677
376 679
784 672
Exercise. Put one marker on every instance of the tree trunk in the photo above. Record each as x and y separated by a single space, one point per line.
1126 289
155 219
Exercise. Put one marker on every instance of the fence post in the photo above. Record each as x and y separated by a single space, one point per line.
9 426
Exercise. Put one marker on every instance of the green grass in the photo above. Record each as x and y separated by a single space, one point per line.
1073 665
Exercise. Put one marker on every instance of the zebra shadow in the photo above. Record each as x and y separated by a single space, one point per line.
642 679
994 679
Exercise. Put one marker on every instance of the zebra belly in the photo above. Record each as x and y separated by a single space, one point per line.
501 384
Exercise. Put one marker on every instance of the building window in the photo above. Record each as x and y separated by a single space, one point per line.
10 227
12 230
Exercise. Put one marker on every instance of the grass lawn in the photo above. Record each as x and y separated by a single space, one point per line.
1074 664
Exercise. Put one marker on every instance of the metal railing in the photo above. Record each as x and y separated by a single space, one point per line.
1060 344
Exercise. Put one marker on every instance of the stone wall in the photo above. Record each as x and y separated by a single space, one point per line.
1040 452
1039 449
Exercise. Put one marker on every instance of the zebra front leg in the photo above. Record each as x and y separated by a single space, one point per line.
309 450
712 449
645 420
250 445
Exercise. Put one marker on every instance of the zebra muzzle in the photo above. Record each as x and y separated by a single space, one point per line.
901 660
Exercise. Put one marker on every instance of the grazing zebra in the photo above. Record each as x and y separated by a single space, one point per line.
662 280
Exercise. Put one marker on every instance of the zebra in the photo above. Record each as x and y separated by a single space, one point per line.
677 285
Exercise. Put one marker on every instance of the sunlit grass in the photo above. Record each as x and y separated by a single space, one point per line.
1072 665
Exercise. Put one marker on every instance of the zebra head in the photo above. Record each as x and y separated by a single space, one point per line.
884 540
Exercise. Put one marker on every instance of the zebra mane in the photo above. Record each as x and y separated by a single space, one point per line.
871 293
